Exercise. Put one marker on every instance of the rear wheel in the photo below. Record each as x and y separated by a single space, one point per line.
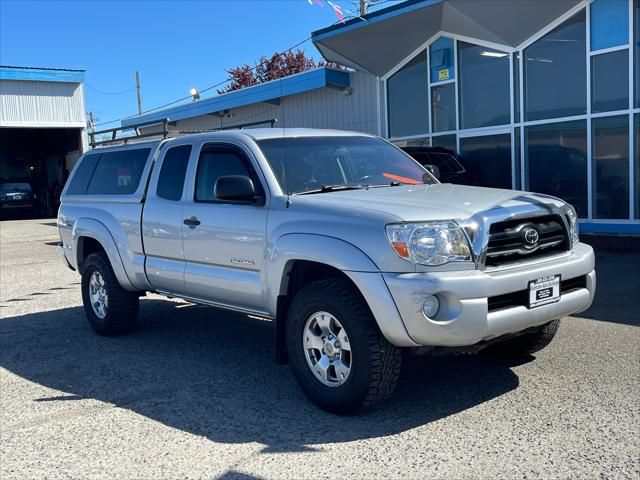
338 355
527 343
110 309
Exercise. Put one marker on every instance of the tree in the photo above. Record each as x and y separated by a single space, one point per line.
271 68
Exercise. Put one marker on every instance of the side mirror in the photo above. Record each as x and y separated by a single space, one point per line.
238 188
433 170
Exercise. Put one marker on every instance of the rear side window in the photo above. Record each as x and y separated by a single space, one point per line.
118 173
173 171
80 179
216 162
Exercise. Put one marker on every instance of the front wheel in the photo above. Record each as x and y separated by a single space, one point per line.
110 309
338 355
527 343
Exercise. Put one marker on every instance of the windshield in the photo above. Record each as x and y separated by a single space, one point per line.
304 164
12 187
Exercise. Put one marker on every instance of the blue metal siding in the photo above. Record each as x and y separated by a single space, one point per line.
41 74
295 84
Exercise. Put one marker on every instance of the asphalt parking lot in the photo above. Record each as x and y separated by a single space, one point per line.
195 393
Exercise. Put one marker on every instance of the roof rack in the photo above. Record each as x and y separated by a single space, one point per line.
165 133
114 133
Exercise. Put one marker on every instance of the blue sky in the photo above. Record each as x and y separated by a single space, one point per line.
174 44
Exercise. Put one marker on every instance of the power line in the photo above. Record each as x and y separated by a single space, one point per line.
108 93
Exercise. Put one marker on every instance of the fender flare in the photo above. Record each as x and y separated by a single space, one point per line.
343 256
90 228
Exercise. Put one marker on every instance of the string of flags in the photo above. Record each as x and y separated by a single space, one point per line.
336 8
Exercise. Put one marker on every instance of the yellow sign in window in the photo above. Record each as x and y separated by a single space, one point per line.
443 74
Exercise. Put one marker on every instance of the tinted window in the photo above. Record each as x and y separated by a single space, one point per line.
636 167
407 99
441 53
443 105
15 187
80 179
556 162
555 72
483 86
517 158
446 141
118 173
637 51
174 169
216 162
487 160
308 163
611 167
516 87
610 81
609 23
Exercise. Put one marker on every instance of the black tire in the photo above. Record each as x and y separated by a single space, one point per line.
122 311
527 343
375 366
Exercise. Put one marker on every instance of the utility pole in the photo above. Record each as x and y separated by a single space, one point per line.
138 92
364 6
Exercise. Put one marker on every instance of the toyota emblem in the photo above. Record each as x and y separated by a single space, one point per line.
530 236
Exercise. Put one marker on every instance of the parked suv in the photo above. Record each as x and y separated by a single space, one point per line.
346 243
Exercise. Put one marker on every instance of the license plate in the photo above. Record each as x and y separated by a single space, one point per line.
544 290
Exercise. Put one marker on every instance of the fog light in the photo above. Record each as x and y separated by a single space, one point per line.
430 306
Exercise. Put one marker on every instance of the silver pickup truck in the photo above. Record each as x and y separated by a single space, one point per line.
353 250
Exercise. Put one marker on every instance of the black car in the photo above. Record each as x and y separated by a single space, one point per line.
17 196
445 164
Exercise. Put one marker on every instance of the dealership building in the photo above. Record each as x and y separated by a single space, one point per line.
535 95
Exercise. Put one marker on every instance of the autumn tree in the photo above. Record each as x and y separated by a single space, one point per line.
271 68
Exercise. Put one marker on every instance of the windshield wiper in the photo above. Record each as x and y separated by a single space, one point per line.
333 188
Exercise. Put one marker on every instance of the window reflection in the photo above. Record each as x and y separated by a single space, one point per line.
611 167
610 81
483 86
555 72
487 160
446 141
556 162
407 92
443 105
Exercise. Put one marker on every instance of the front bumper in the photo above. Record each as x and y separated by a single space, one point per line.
464 317
61 253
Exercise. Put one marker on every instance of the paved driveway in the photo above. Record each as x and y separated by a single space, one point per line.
195 393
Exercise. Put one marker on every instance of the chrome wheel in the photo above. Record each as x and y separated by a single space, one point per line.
327 349
98 295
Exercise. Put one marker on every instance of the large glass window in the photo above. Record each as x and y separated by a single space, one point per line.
611 167
516 87
610 81
637 51
609 23
517 162
556 162
446 141
636 166
441 55
407 92
443 106
483 86
118 173
555 72
487 160
173 172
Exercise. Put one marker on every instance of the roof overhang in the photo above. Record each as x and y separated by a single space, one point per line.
383 39
265 92
35 74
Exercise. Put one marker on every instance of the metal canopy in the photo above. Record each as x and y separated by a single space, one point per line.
386 37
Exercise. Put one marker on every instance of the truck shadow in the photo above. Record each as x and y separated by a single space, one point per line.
213 373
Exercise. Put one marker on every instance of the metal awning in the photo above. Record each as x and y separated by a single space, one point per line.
384 38
264 92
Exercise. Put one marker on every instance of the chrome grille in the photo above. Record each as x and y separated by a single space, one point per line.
513 240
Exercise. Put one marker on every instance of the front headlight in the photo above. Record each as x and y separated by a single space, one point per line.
574 234
430 243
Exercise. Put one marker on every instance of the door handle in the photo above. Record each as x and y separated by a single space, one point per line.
192 222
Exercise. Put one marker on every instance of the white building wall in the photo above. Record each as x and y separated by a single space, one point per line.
356 108
41 104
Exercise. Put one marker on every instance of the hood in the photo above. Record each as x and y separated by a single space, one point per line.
428 202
